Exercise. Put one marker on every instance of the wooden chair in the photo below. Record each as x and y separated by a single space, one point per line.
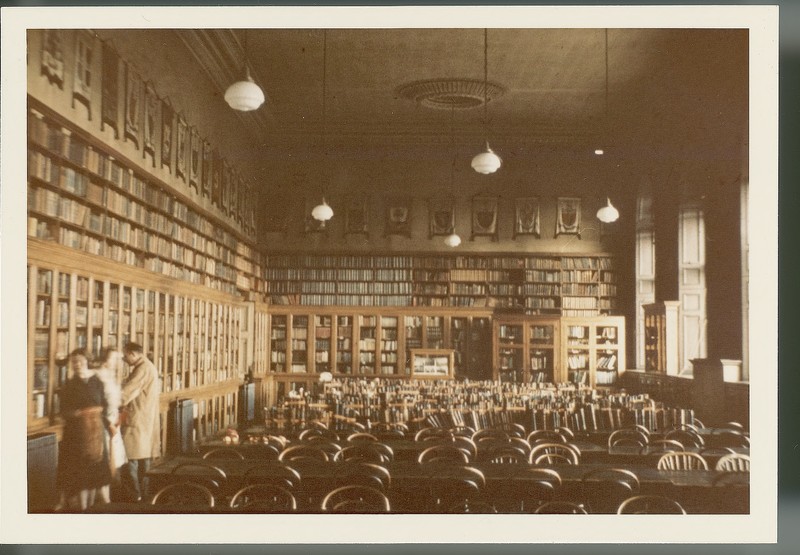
462 431
443 453
650 505
554 453
507 454
662 445
530 494
450 485
682 460
222 453
729 438
261 452
276 474
561 508
201 472
264 498
306 450
545 436
628 436
686 437
358 473
184 496
361 436
734 462
318 433
364 452
433 434
355 499
603 489
489 434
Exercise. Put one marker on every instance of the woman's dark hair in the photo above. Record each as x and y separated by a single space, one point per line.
133 348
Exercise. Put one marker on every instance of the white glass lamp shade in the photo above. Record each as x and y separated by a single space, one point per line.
452 240
325 377
486 162
244 95
608 213
322 212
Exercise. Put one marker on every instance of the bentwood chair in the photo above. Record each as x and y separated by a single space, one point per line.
553 453
682 460
184 496
355 499
223 453
264 498
733 462
650 505
603 489
201 472
359 473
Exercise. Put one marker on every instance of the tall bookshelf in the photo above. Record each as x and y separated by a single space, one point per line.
84 195
541 284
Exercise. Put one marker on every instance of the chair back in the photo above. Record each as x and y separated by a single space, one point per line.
307 450
650 505
682 460
435 434
665 445
729 438
264 498
545 436
507 454
554 453
363 474
365 452
441 453
223 453
201 472
184 495
628 436
687 437
489 434
733 462
604 489
361 436
277 474
355 499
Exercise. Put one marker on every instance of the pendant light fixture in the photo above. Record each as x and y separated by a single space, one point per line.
322 212
244 95
608 213
486 162
454 239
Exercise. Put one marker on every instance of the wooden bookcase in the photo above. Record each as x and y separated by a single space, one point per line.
370 342
542 284
581 350
661 337
84 195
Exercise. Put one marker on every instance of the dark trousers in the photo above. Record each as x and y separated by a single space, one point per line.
134 477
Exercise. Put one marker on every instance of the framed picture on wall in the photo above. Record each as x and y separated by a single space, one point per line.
151 103
398 216
180 147
133 105
109 94
82 83
167 117
442 216
195 148
484 217
356 216
526 217
568 216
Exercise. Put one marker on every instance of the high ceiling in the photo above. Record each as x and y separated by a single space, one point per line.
554 81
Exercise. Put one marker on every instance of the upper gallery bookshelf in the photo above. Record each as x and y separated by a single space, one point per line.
543 284
83 195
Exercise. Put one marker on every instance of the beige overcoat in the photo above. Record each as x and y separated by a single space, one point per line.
141 432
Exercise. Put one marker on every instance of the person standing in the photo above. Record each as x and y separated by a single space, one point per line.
109 363
83 457
140 423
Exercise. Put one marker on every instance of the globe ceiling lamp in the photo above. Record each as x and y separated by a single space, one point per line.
608 213
245 95
486 162
453 240
322 212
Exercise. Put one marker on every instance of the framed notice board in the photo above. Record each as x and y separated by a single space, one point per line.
432 363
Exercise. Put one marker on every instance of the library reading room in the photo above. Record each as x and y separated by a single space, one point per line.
388 270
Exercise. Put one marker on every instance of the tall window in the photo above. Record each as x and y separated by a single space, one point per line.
645 268
692 284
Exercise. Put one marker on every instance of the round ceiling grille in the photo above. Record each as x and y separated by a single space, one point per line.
446 94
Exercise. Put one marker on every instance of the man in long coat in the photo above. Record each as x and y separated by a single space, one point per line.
140 429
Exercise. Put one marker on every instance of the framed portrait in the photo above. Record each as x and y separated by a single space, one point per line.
194 158
442 216
82 82
225 185
216 173
167 117
133 105
150 118
398 217
181 137
109 99
484 217
568 216
526 217
355 217
205 177
53 56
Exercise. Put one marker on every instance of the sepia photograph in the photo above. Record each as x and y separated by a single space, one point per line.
214 327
